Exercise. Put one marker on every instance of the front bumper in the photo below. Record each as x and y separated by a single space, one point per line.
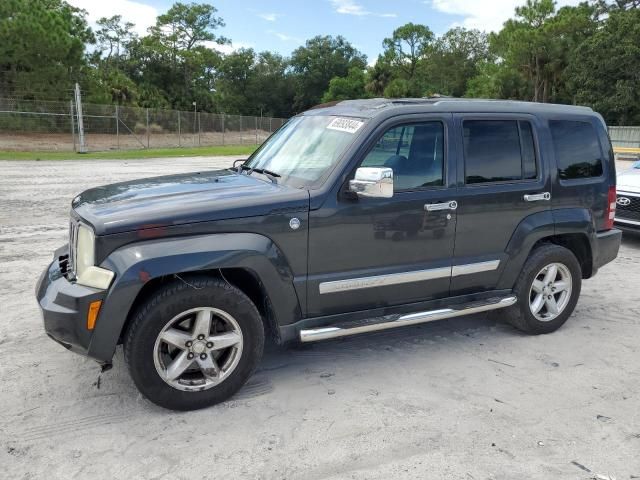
607 246
64 307
627 225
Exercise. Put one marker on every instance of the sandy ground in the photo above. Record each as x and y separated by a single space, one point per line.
457 399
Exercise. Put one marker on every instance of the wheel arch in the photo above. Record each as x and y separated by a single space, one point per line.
570 228
251 262
245 280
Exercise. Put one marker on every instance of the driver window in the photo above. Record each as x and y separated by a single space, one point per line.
414 151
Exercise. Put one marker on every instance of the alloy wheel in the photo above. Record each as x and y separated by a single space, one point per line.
198 349
550 292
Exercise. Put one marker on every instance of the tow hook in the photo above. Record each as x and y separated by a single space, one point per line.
105 367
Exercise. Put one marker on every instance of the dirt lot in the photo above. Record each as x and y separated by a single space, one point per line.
457 399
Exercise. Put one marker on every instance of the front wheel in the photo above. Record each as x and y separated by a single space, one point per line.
547 289
193 343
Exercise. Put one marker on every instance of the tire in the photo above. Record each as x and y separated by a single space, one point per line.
521 315
218 364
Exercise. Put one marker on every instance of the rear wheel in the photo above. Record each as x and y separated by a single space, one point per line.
194 343
547 289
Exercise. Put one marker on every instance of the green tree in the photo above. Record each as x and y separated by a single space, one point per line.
107 80
604 7
345 88
272 88
496 80
234 77
538 44
113 38
605 70
185 27
315 64
42 45
454 60
406 47
378 77
174 61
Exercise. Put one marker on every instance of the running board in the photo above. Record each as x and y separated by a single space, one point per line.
325 333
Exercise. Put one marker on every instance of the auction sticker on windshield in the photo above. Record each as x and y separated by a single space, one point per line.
348 125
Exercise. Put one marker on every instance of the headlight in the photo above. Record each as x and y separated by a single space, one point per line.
86 272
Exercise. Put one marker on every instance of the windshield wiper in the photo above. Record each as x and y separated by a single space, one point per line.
271 175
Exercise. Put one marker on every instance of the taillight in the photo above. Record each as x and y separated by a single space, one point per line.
611 208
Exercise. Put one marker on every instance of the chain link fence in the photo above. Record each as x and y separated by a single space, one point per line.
27 125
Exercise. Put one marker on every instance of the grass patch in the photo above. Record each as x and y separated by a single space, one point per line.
133 154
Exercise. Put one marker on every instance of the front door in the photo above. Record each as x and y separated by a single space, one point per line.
367 253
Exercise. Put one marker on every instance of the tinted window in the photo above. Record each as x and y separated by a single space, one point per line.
498 151
415 152
529 170
577 150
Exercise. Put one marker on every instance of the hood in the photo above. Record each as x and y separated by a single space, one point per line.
181 199
629 180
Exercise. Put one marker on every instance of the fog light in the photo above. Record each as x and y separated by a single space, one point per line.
92 314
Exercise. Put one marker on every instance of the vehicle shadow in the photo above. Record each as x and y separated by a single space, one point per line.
630 239
297 361
357 353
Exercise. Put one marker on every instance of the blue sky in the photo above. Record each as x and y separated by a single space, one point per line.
283 25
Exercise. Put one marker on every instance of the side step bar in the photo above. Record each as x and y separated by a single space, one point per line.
325 333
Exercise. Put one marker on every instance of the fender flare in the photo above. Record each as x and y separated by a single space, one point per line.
138 263
539 226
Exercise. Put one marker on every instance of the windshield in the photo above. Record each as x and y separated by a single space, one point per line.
305 148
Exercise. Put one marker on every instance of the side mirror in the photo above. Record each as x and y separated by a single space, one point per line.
376 182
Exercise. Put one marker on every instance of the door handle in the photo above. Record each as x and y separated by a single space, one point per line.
537 197
434 207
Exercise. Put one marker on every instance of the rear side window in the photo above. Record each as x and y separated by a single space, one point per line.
498 151
577 150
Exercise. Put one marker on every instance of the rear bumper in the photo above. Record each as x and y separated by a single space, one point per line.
64 307
607 246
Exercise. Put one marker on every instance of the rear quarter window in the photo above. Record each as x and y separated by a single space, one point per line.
577 150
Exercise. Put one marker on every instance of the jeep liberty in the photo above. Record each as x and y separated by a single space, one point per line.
353 217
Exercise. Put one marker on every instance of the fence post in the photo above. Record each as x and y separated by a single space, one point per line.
73 125
223 129
148 128
241 130
270 126
199 127
256 119
179 133
83 147
117 128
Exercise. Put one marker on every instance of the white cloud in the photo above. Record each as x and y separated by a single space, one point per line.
227 48
140 14
488 15
285 38
269 17
351 7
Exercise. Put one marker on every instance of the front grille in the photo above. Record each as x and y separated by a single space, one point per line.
73 247
630 211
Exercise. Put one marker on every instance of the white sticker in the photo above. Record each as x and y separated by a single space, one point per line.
348 125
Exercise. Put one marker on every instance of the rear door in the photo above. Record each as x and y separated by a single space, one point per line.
502 179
